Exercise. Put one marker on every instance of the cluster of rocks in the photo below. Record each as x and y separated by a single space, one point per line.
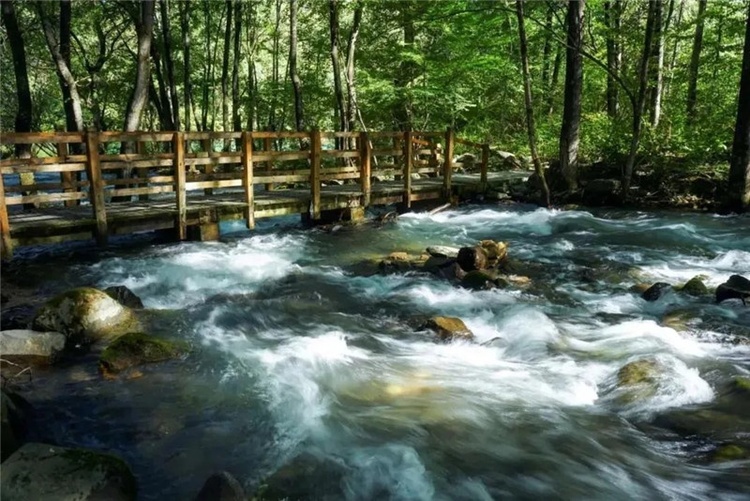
61 329
736 287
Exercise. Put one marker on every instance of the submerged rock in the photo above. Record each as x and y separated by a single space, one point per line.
472 258
478 280
729 452
13 412
40 471
638 372
449 328
737 287
124 296
85 315
137 348
221 486
443 251
656 291
695 287
31 347
304 477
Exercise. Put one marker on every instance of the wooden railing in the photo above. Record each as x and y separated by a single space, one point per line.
110 167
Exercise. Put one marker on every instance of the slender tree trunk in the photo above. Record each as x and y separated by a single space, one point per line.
673 58
275 64
333 18
531 127
571 123
739 167
695 59
554 81
612 17
225 69
139 99
18 51
187 86
658 65
162 97
236 121
299 118
640 99
404 113
169 63
352 107
548 42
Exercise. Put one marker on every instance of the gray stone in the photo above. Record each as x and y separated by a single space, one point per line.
39 471
26 346
443 251
737 287
656 291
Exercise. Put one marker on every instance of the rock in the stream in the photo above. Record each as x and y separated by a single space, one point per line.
443 251
136 348
304 477
695 287
449 328
13 410
221 486
124 296
28 347
40 471
737 287
656 291
478 280
85 315
472 258
729 452
638 379
496 251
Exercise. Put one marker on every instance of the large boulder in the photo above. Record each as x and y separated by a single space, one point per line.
124 296
31 347
136 348
472 258
86 315
449 328
40 471
13 414
695 287
737 287
221 486
601 192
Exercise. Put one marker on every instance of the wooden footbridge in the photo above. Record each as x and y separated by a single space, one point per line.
61 186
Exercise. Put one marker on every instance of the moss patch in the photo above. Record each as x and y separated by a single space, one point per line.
729 452
695 287
138 348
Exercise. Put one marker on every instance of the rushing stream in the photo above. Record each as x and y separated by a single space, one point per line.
295 353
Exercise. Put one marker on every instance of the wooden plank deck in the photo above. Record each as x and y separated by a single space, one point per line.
57 224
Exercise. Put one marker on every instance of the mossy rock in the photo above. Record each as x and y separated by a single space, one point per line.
85 315
741 384
478 280
135 349
449 328
729 452
639 288
695 287
41 471
639 372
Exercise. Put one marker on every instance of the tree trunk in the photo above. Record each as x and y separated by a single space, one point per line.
169 63
352 108
333 18
695 59
161 99
571 123
547 49
236 121
658 65
612 18
225 69
531 127
640 99
139 98
18 51
739 167
187 86
299 118
403 112
673 58
555 79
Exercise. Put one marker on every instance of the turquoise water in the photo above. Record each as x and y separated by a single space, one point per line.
294 353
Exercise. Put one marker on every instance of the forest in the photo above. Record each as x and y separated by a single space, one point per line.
625 85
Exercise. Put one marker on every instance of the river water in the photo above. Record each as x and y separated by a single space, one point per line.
295 353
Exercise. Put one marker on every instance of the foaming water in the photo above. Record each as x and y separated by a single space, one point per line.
296 354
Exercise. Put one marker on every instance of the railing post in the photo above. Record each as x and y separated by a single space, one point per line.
268 146
408 149
365 168
96 186
247 178
66 178
448 163
208 146
6 242
485 164
178 148
315 156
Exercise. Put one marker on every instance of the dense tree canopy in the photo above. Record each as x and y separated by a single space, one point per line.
382 64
